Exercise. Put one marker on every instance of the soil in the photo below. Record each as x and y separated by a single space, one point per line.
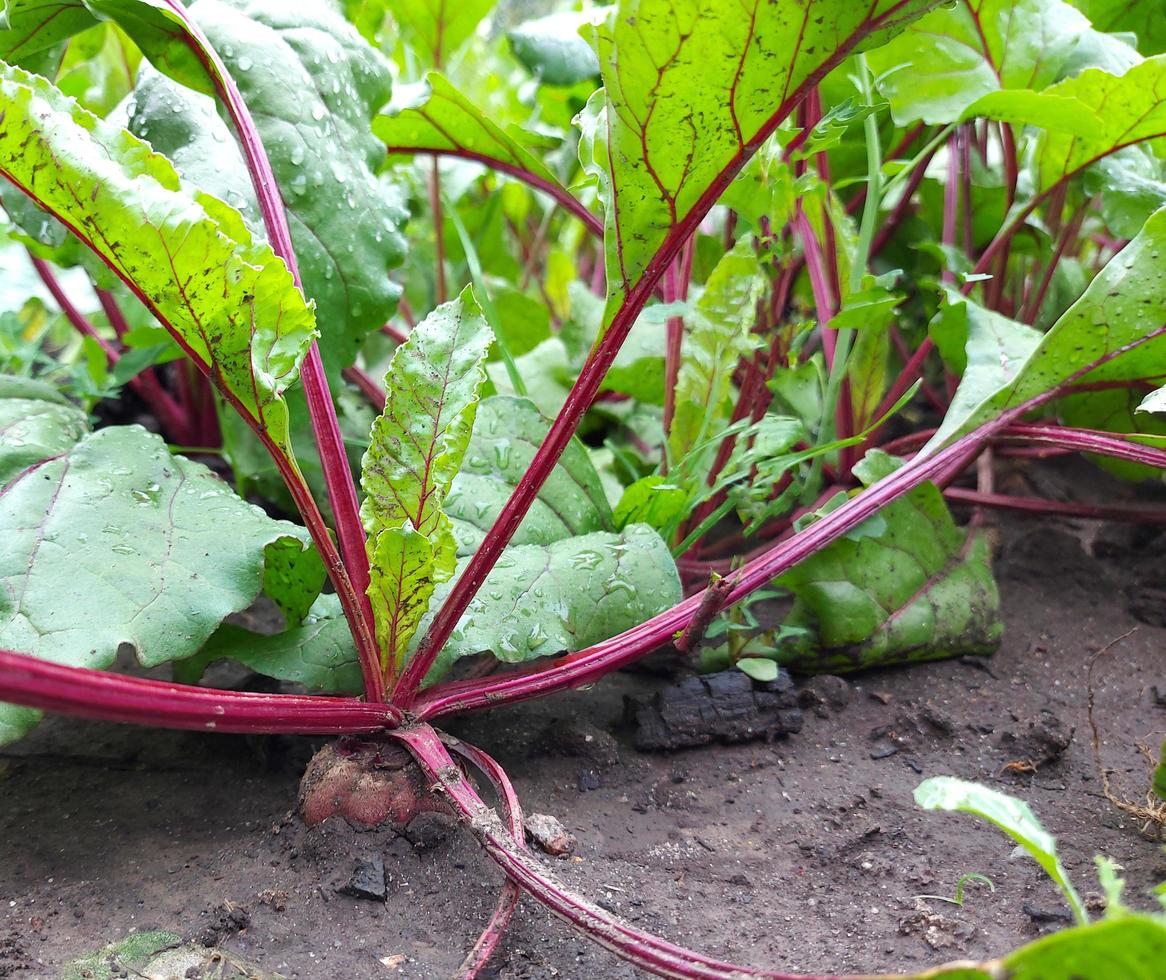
802 853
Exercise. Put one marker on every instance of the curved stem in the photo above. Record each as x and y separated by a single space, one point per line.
354 574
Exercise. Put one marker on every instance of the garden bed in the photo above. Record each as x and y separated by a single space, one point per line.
806 853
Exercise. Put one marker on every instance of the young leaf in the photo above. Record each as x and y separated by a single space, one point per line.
541 600
945 61
437 30
114 540
416 450
691 88
1088 117
720 331
228 301
313 84
1125 303
914 588
1158 783
507 433
1011 815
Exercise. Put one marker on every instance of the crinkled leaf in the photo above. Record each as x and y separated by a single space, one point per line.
945 61
320 654
114 540
690 85
230 301
1124 303
719 332
1088 117
416 450
506 436
917 588
1011 815
552 48
314 85
1144 18
541 600
1132 185
437 29
36 422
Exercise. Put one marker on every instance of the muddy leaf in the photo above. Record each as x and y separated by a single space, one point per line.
1011 815
945 61
692 84
227 299
507 434
114 540
542 600
915 588
416 450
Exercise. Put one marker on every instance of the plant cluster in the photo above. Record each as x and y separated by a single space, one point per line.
720 301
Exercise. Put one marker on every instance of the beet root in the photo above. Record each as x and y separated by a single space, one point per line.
368 781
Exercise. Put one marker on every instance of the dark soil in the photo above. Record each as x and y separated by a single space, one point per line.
804 853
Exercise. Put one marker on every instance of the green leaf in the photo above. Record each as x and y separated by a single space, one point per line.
114 540
1144 18
917 588
720 331
759 668
437 30
320 654
228 300
541 600
552 49
415 452
99 68
1088 117
651 500
945 61
690 85
128 957
35 423
33 32
314 85
1158 783
1011 815
434 117
1124 303
506 436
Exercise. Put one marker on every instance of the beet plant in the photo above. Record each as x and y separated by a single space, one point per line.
747 290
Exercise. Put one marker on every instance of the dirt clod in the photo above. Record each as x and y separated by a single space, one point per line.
1040 741
549 835
367 880
825 694
222 922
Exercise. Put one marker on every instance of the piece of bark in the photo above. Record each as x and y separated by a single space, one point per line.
726 706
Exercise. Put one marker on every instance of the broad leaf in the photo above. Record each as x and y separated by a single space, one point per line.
314 85
434 117
416 451
945 61
320 654
1125 303
36 422
228 300
33 32
541 600
691 88
552 48
719 333
114 540
1088 117
1011 815
507 434
910 586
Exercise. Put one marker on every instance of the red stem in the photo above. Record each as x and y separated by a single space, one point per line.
325 427
368 386
104 696
676 281
586 386
438 214
1064 508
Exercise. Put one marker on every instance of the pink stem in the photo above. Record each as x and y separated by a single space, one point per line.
98 694
586 386
676 281
651 953
325 426
1064 508
367 385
